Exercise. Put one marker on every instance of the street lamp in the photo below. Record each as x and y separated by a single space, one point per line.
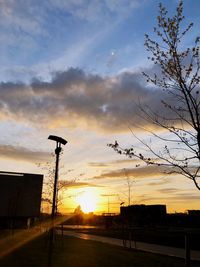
58 149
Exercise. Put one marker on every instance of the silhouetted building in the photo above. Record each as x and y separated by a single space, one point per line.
143 214
190 219
20 198
194 213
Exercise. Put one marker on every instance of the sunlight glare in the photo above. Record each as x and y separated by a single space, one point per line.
87 201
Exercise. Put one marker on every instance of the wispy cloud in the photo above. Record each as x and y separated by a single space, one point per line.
167 190
112 163
37 34
98 164
22 21
94 10
140 172
77 184
159 182
173 198
23 16
186 197
23 154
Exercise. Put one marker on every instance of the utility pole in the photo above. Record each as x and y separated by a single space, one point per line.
129 184
108 196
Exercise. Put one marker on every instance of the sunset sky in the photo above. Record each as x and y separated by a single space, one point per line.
73 69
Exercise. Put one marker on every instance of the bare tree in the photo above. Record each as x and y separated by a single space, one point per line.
179 77
48 185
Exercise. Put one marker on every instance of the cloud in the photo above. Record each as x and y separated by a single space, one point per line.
75 98
21 24
140 172
186 197
22 16
70 184
98 164
94 10
113 162
179 198
159 182
167 190
22 153
33 36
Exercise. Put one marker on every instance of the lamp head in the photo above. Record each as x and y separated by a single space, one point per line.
57 139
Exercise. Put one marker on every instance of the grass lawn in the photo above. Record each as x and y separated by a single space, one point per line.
74 252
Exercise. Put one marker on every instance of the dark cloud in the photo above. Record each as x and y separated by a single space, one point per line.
24 154
73 97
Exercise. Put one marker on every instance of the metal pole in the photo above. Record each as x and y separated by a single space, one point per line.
57 152
59 141
54 203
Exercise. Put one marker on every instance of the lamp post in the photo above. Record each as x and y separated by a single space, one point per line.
58 149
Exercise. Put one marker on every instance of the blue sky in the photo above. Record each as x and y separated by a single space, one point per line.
99 36
73 68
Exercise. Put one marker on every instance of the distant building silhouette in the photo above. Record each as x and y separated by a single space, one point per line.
189 219
194 213
143 214
20 198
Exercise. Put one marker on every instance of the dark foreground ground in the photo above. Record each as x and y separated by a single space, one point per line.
74 252
174 237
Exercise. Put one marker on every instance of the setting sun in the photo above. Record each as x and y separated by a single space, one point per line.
87 201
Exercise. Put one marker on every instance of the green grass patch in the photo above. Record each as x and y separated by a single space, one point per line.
74 252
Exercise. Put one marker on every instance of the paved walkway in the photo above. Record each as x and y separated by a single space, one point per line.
165 250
